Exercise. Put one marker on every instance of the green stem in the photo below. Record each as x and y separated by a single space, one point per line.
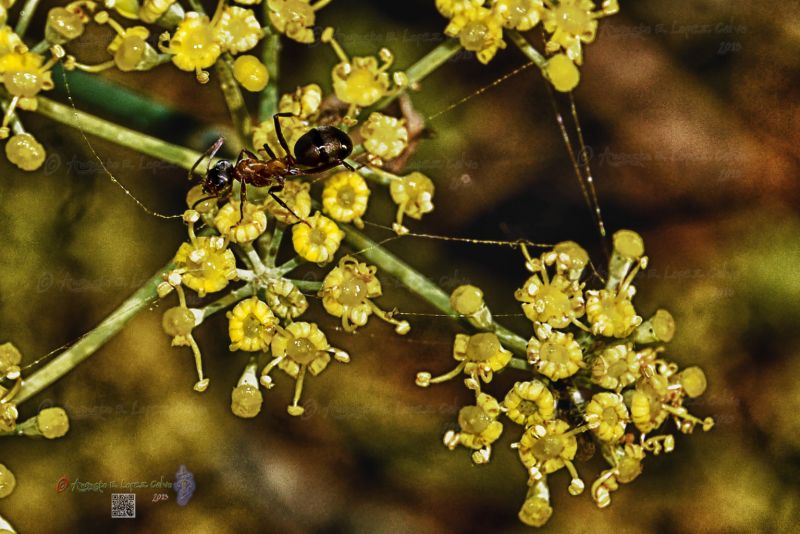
417 283
527 48
92 341
258 265
25 16
270 56
378 176
274 245
120 135
234 99
424 66
290 265
230 90
307 285
228 300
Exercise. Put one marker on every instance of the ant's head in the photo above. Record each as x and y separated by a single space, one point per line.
325 144
219 178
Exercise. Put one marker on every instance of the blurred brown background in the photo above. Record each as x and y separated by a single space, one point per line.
691 113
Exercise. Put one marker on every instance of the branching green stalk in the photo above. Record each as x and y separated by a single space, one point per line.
424 288
228 300
290 265
120 135
527 48
234 99
25 17
88 344
307 285
230 90
426 65
270 56
274 245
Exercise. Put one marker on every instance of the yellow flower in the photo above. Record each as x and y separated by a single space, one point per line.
152 10
569 258
611 313
608 412
449 8
295 18
571 22
544 449
193 45
7 482
285 300
9 41
479 428
52 423
251 325
8 414
296 195
130 48
318 241
647 403
520 15
237 29
24 151
303 103
345 197
413 195
246 398
205 264
482 353
240 230
616 367
554 300
692 381
562 73
626 464
25 74
10 358
536 509
299 348
347 292
479 356
479 30
384 137
361 81
554 354
250 73
530 403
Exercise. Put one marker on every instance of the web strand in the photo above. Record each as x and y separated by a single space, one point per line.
100 160
481 90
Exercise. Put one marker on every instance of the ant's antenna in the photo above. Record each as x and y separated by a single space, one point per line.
99 159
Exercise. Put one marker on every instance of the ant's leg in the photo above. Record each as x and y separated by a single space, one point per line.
244 153
243 195
210 153
201 201
269 151
325 167
274 189
279 133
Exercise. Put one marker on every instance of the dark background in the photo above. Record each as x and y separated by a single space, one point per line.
690 110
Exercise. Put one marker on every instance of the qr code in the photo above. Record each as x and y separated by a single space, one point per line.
123 505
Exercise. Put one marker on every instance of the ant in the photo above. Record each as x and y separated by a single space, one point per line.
320 149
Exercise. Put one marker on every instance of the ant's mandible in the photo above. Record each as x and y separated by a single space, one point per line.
320 149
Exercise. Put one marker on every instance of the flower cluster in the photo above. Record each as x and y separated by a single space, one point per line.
49 423
24 74
593 366
479 25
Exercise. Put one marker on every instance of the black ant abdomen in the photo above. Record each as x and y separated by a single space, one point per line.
322 145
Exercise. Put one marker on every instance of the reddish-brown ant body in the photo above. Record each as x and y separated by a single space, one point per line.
318 150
